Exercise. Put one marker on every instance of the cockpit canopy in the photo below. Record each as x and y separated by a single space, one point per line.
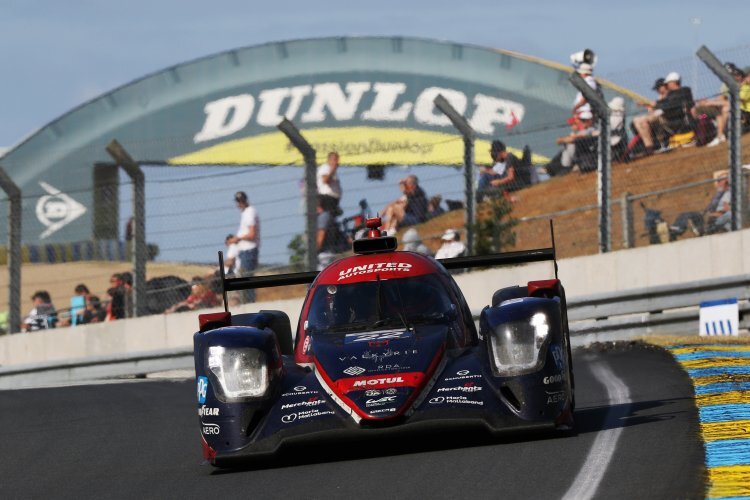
367 305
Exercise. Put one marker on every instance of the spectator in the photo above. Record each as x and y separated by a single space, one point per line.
408 210
572 145
651 124
580 104
618 134
413 242
230 256
94 312
247 239
433 207
329 187
718 107
329 238
502 176
43 315
127 284
77 306
200 297
717 216
116 292
678 106
452 246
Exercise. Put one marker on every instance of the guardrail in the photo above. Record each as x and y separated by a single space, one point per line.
663 310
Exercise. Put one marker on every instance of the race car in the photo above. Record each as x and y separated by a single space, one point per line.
385 344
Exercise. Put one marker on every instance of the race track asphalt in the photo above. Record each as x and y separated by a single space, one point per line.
140 439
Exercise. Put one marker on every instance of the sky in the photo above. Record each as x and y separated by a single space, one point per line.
56 55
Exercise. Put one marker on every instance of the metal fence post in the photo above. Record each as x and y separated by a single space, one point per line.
605 161
735 132
462 125
626 214
14 251
118 153
311 188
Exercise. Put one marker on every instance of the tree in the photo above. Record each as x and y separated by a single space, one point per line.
297 251
493 231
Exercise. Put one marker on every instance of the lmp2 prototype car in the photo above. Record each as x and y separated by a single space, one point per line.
385 343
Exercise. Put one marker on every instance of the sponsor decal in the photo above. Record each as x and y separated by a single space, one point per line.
210 429
462 375
375 382
315 412
358 102
403 267
300 388
383 410
354 370
391 391
468 387
458 400
392 368
205 411
303 393
310 402
372 392
557 355
378 357
553 379
380 382
202 389
380 401
306 345
555 397
352 338
56 210
348 358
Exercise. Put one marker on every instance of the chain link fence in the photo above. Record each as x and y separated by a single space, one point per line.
190 208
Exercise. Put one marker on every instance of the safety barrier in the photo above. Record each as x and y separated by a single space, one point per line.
670 309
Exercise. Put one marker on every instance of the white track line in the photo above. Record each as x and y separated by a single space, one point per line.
591 474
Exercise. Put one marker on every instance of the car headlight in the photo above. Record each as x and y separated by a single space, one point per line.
519 347
240 372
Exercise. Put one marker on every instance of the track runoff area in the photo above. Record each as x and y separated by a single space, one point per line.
636 436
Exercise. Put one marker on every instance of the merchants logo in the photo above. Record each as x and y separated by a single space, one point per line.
56 209
393 267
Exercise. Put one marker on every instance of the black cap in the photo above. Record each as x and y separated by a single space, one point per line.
240 196
733 69
658 83
497 147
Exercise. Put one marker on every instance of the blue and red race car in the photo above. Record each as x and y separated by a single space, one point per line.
385 344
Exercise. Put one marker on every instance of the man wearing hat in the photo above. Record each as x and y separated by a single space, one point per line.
247 239
564 161
678 105
650 124
718 107
580 104
452 245
500 176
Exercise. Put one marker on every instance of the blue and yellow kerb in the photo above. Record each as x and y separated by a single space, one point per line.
721 376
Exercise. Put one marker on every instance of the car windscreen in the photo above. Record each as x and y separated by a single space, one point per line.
379 303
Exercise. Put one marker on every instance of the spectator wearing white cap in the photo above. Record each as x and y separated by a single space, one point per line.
452 245
580 104
566 159
678 106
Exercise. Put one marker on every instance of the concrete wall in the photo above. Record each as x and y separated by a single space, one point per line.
680 262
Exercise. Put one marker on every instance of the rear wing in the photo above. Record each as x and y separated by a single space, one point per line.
474 261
